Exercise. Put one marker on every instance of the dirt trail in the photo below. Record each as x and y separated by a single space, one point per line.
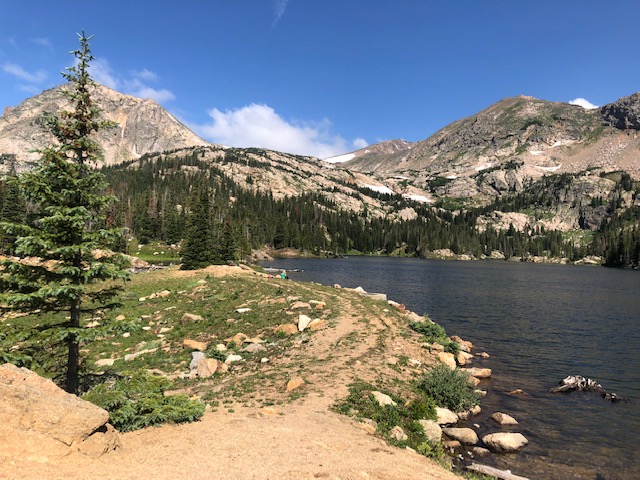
297 439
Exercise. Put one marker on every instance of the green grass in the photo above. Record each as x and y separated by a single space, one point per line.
154 252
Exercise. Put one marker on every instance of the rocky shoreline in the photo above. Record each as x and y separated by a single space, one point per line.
461 442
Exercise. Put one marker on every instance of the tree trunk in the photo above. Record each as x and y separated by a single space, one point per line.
73 357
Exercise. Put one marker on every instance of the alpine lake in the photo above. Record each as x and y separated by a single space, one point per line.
539 323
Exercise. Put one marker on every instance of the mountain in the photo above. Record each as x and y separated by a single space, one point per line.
511 143
143 127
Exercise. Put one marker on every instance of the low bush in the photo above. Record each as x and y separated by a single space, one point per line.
361 404
449 388
435 333
139 402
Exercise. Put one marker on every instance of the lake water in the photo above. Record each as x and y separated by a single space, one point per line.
540 323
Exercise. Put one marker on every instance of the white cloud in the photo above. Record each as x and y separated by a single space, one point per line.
260 126
279 7
43 42
19 72
586 104
102 73
359 143
135 85
140 90
146 75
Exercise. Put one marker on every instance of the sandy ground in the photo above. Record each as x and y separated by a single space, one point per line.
294 440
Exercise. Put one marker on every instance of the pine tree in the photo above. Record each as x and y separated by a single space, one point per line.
197 249
69 226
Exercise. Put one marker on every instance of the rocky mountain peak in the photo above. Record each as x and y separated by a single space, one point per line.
143 127
623 114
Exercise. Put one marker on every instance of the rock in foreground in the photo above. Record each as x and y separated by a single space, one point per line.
40 420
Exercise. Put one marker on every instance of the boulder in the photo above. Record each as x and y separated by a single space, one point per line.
432 430
195 358
194 344
448 359
504 419
287 329
383 399
253 348
505 442
303 322
232 359
465 345
105 362
444 416
238 339
39 420
207 367
477 372
295 383
299 305
397 433
317 324
190 317
463 435
368 425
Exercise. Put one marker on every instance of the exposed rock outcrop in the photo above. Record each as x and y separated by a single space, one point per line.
143 126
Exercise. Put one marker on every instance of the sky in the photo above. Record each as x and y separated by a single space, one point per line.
326 77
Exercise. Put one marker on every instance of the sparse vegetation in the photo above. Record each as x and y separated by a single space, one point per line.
448 388
139 401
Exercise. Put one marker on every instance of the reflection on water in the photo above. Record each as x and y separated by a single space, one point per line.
540 323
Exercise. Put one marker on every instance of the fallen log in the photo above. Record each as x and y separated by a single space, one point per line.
494 472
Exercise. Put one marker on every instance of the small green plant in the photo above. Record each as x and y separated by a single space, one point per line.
448 388
139 402
361 404
435 333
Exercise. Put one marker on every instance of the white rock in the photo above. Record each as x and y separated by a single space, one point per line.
303 322
383 399
504 419
463 435
505 442
445 416
432 430
105 362
398 433
233 358
448 359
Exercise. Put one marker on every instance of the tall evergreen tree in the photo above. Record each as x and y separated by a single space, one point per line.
197 249
68 231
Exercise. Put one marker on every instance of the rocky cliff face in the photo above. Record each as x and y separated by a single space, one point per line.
143 127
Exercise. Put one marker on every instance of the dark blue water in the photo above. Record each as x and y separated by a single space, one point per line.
540 323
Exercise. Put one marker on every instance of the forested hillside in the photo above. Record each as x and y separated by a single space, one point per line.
190 201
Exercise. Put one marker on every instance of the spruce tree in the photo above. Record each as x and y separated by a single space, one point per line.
68 235
197 249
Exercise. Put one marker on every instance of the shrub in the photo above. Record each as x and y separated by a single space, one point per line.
449 388
139 402
435 333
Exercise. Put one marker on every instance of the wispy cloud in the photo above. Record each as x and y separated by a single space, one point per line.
43 42
136 84
261 126
584 103
279 7
19 72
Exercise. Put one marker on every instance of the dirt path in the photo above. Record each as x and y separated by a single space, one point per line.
294 442
295 439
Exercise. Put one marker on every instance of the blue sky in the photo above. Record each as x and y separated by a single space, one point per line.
323 77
